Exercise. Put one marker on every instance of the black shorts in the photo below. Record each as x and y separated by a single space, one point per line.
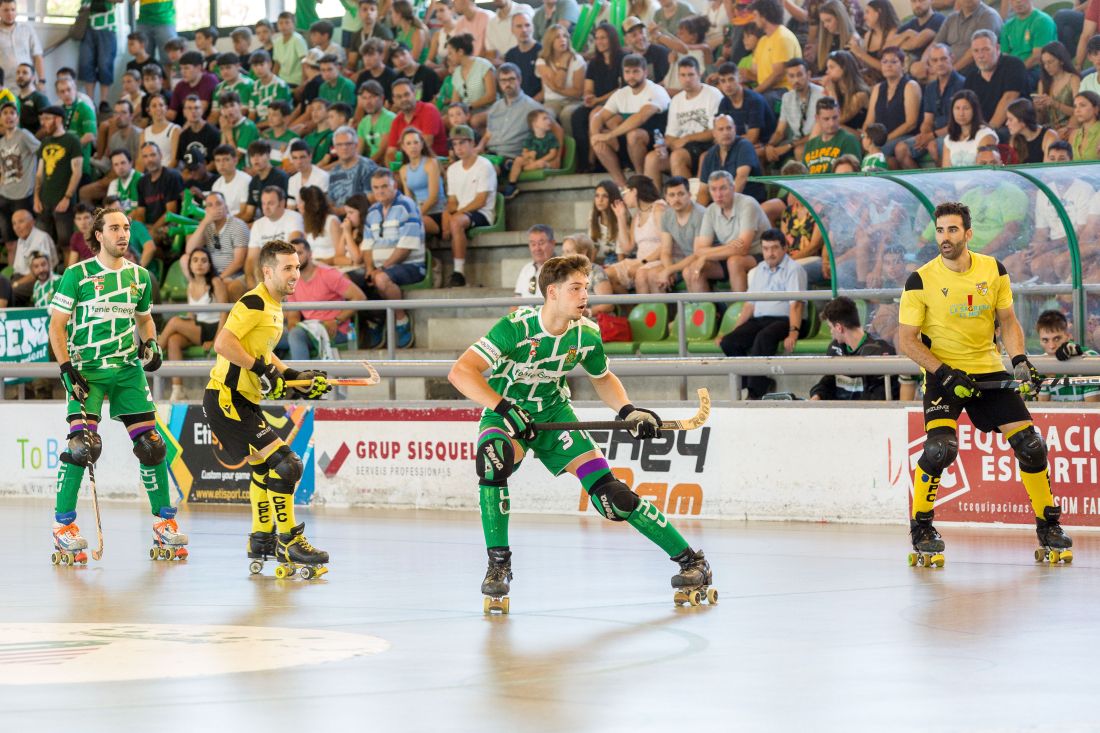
437 217
239 427
696 151
477 219
988 410
207 331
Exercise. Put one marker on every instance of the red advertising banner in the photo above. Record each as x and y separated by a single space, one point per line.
983 485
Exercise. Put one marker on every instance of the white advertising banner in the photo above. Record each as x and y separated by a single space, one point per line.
778 463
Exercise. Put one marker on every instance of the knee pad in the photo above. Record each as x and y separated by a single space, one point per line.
1031 451
149 448
941 448
81 450
613 499
496 459
285 470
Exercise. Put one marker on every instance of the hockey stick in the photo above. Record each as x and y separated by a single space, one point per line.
691 423
97 554
370 380
1046 381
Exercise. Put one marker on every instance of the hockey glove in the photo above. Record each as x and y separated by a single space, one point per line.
1025 371
958 384
74 381
272 382
317 387
645 423
517 421
150 354
1068 350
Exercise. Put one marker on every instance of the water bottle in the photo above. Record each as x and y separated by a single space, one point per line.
658 139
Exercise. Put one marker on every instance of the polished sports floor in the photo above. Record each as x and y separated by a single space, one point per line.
818 628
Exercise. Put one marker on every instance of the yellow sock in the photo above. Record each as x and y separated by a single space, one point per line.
1038 490
925 487
261 504
283 504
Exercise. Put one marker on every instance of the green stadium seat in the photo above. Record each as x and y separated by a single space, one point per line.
702 319
568 164
648 321
620 348
173 288
427 281
498 220
729 320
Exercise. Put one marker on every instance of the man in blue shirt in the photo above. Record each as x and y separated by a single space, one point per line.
392 247
733 154
935 110
753 117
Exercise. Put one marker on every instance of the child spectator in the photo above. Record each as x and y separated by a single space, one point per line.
205 40
267 88
1053 330
242 46
873 138
264 33
229 66
278 134
288 49
540 150
320 37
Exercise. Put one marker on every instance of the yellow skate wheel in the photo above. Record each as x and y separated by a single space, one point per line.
486 605
1039 555
912 559
1067 556
679 598
936 561
505 605
712 596
66 558
1052 557
695 598
281 571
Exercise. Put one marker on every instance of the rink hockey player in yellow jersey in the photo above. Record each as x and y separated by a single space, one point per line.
949 309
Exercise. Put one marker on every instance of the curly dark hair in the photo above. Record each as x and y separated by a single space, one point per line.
953 208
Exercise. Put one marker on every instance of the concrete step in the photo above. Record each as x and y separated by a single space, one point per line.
491 265
563 202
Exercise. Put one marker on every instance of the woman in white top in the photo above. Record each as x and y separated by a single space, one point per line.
966 131
165 134
194 329
322 229
642 237
561 70
603 226
437 49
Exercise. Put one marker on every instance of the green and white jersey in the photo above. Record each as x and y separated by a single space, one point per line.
102 304
529 365
243 87
43 291
264 94
1071 392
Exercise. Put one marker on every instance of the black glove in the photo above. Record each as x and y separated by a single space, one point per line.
645 423
150 354
958 384
1068 350
317 387
517 420
272 381
1029 377
74 381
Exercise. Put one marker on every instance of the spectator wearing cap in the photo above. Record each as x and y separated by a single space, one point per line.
237 130
18 149
19 43
229 68
311 78
232 183
393 246
197 178
264 176
196 80
121 134
471 197
225 239
159 192
267 89
287 49
374 67
30 240
320 37
622 132
196 134
409 112
352 171
637 41
374 122
335 87
125 179
60 160
306 174
426 83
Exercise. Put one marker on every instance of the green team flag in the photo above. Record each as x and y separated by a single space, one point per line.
24 337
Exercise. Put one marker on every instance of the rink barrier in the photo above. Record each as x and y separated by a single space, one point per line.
755 461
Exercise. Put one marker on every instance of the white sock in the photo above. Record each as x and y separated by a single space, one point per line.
460 265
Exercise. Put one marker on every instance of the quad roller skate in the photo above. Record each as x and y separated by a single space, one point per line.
261 547
168 542
69 546
692 584
497 579
1054 543
296 555
927 544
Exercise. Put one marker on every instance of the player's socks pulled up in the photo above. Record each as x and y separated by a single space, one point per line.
494 515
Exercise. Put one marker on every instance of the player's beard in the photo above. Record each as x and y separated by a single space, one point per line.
953 251
115 251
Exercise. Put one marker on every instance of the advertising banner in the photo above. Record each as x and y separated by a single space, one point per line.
983 485
24 335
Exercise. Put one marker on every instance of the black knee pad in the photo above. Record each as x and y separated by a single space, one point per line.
149 448
287 469
613 499
81 450
941 448
1030 450
496 459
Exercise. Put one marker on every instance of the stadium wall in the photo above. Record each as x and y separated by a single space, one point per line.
763 461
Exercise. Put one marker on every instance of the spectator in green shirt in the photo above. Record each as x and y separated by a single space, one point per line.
229 66
1024 34
832 142
374 127
237 130
157 20
278 134
287 51
335 87
267 88
58 175
79 119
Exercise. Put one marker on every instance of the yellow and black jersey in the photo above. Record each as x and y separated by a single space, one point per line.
257 321
956 311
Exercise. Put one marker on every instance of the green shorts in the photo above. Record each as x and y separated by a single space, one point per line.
555 450
126 388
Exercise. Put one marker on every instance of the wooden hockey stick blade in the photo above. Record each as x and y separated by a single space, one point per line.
1047 381
692 423
370 380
